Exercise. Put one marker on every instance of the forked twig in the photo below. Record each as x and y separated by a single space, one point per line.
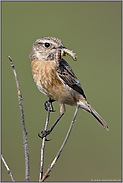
8 170
60 150
43 146
23 124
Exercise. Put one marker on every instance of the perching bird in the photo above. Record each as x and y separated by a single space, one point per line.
57 81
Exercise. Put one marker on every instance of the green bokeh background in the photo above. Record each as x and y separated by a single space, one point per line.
93 31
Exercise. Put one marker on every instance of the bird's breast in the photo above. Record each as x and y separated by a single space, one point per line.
48 81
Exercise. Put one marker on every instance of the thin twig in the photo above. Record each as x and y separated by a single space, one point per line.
25 143
43 146
60 150
8 170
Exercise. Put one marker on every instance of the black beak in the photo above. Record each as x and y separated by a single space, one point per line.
61 47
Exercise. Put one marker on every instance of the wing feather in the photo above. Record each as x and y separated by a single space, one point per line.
66 73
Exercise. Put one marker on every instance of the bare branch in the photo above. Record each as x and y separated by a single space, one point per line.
8 170
60 150
43 146
23 124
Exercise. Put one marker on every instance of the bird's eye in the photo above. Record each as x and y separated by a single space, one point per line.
47 45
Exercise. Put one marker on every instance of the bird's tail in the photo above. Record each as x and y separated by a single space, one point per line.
87 107
99 118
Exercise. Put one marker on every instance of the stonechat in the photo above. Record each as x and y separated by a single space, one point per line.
55 78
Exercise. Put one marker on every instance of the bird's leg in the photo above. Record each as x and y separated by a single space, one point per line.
48 104
45 133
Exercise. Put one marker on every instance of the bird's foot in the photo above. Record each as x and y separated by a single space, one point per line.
44 134
48 104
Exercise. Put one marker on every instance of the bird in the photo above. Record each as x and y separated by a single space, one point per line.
57 80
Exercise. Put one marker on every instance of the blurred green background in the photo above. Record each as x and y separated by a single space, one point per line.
93 31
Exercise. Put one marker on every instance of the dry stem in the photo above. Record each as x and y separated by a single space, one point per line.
8 170
23 124
60 150
43 146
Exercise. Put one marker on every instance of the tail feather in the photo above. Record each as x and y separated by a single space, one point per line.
87 107
99 118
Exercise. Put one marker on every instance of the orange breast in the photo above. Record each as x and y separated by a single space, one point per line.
47 80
